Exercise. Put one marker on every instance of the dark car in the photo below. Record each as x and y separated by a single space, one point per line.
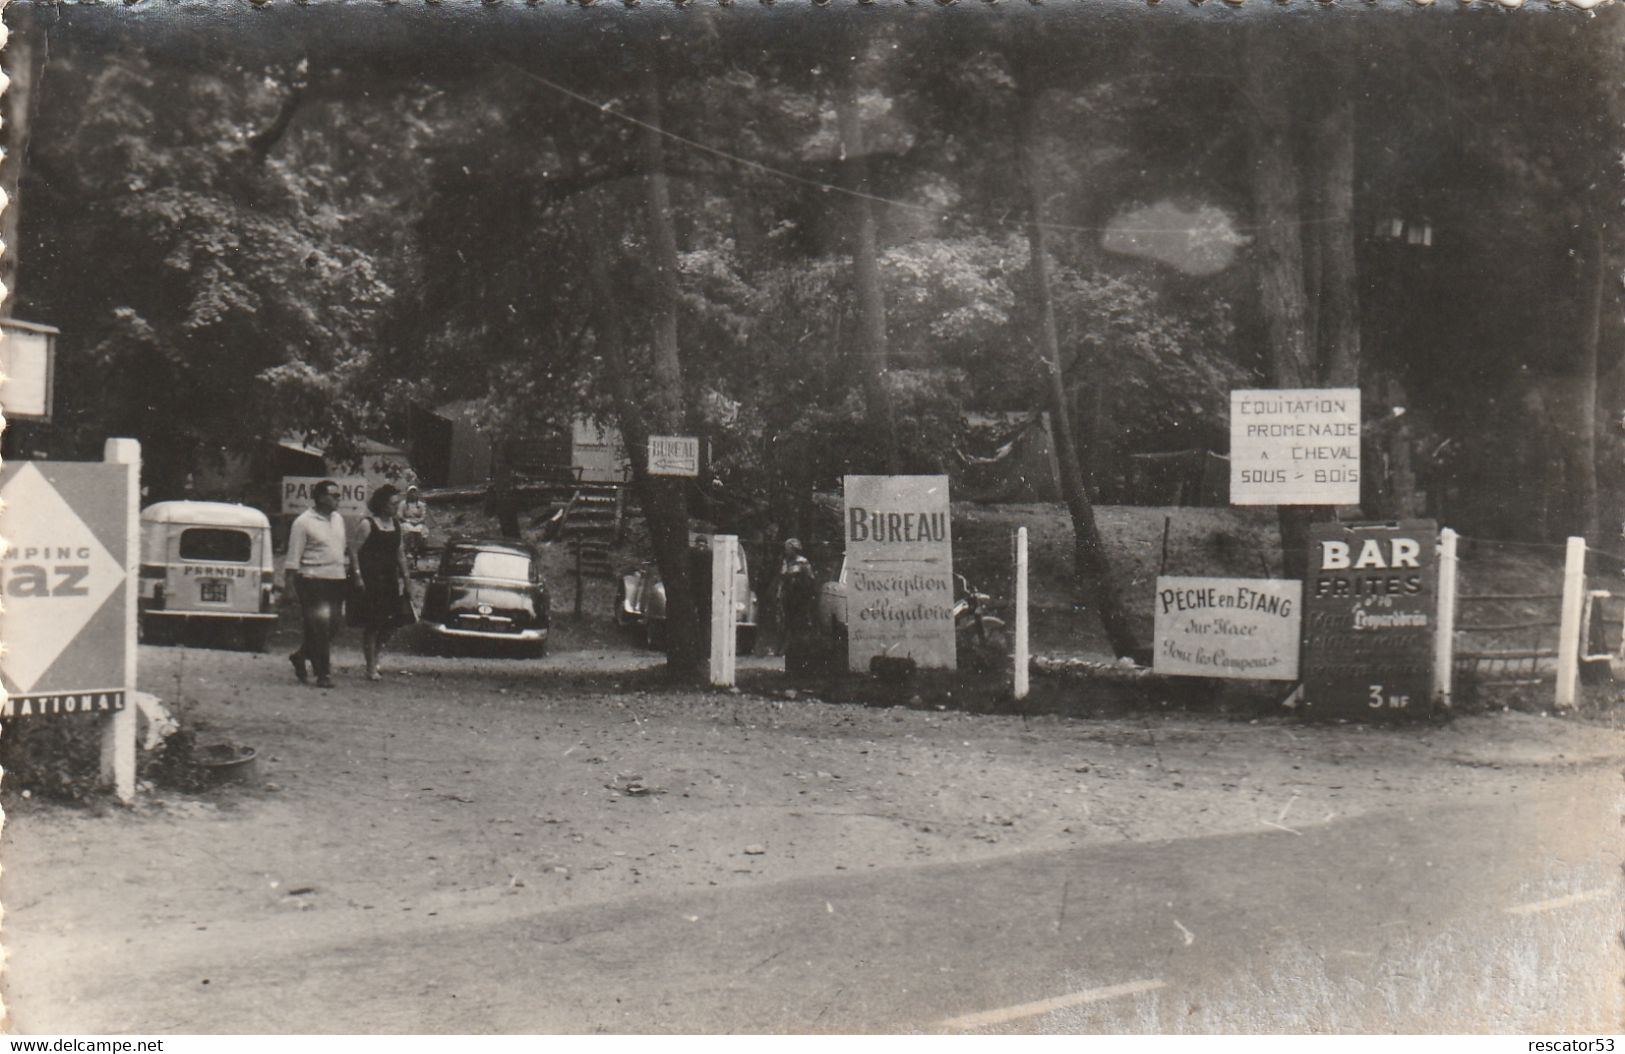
488 589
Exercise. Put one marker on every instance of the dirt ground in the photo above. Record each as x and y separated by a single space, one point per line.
495 784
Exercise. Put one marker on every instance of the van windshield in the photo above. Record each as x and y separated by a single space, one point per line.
217 545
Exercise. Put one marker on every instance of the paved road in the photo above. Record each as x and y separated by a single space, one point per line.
1498 916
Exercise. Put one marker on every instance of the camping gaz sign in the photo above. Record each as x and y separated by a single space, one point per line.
1295 446
298 494
900 571
1228 627
1370 604
64 579
674 455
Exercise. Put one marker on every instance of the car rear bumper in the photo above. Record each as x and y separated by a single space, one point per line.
525 636
253 616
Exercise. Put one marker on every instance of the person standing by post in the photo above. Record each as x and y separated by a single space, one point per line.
384 575
318 562
502 501
795 589
699 582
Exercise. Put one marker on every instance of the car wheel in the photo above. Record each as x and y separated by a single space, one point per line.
745 641
654 633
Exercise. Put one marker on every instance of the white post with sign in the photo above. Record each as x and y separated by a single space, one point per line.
724 647
900 571
1295 446
118 738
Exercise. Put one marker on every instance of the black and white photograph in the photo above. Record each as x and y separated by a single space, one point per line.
812 517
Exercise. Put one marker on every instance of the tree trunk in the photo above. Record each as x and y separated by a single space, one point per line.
665 506
1276 213
1091 569
1338 314
866 272
1298 358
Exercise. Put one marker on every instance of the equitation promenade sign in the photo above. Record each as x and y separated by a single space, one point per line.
900 571
1295 446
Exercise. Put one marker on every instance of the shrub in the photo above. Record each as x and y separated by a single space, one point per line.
57 758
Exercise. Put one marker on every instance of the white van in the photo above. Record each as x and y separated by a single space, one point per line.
206 560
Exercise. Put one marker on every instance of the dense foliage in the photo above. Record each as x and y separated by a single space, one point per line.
308 230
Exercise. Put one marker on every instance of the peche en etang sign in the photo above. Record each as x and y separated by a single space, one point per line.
899 566
1228 627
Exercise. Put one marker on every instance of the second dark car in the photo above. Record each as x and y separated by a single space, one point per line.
488 590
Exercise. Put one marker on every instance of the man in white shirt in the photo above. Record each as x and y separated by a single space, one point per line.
319 560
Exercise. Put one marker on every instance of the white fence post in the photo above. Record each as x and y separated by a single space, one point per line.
118 736
1021 658
1568 634
1444 624
724 640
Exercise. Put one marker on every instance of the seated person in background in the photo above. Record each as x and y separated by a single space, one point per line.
414 520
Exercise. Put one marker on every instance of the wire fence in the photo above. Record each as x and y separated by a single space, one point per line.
1509 599
1510 613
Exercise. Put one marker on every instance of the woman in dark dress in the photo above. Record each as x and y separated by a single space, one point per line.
383 574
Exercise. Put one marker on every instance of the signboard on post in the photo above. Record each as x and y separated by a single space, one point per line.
28 364
1228 627
899 571
353 490
63 578
597 453
67 574
1297 446
1368 642
674 455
